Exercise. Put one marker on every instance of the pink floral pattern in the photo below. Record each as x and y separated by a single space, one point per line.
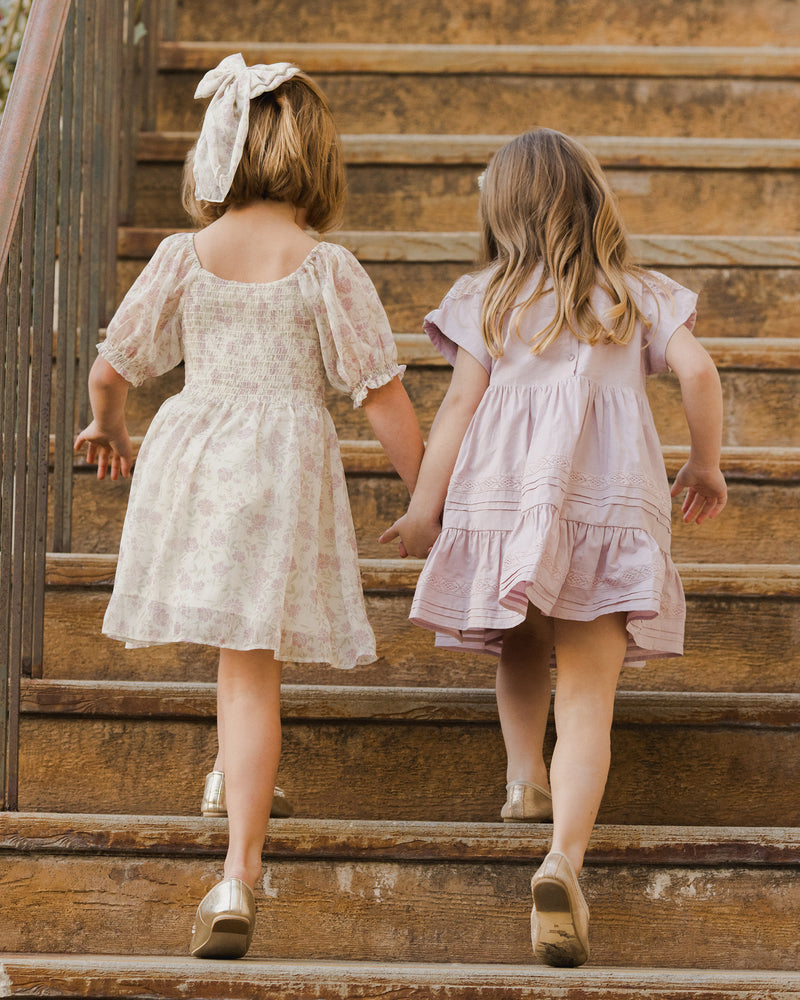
238 531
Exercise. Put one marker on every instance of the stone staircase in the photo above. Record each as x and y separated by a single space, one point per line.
394 878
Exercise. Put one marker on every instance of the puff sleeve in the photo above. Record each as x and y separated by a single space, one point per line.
457 323
668 306
143 338
358 349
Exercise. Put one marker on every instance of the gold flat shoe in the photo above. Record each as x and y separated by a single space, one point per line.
223 924
214 798
527 803
560 916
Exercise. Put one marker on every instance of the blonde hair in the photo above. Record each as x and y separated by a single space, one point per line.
544 200
292 153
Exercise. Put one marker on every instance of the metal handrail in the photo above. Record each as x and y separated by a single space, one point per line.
19 126
62 137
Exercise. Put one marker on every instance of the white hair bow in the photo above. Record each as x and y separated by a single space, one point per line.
233 85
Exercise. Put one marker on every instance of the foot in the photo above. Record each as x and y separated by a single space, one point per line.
560 916
223 925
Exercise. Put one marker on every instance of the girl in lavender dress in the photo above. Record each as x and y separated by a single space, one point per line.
544 459
238 532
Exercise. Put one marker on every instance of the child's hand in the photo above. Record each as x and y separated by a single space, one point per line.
416 537
706 493
109 449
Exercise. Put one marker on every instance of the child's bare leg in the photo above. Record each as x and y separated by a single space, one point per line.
219 762
248 702
589 658
523 696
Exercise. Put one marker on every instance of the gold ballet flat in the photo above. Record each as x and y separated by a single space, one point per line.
560 916
527 803
223 924
213 803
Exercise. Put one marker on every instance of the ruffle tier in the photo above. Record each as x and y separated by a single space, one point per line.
477 584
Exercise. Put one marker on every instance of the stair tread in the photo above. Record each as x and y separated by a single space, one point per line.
529 60
738 463
632 152
686 846
139 242
167 977
753 579
761 353
197 700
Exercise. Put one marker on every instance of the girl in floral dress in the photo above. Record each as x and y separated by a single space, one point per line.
545 461
238 532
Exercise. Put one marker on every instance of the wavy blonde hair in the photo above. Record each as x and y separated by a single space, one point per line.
544 199
292 153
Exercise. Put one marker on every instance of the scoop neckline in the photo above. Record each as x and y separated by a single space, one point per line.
252 284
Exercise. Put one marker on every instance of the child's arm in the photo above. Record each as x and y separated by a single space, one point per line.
107 435
395 425
706 492
420 526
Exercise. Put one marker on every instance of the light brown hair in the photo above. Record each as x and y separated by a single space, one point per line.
292 153
545 200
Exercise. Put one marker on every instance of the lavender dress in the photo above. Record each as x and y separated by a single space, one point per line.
559 496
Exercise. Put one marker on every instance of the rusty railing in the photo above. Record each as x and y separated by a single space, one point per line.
65 170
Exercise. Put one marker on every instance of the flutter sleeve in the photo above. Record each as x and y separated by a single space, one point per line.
668 306
457 322
143 338
358 349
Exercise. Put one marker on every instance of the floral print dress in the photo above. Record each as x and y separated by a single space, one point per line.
238 531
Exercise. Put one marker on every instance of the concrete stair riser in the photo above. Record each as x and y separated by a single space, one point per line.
714 202
577 22
372 753
736 301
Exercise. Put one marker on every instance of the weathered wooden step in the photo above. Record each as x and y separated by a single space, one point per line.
451 59
575 22
759 524
462 247
613 151
715 186
760 406
404 753
164 978
741 636
759 381
660 90
750 286
681 897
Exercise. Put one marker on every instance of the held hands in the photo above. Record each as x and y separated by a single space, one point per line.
110 449
416 536
706 493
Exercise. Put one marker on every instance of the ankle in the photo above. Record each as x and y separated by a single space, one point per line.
535 774
247 873
572 853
